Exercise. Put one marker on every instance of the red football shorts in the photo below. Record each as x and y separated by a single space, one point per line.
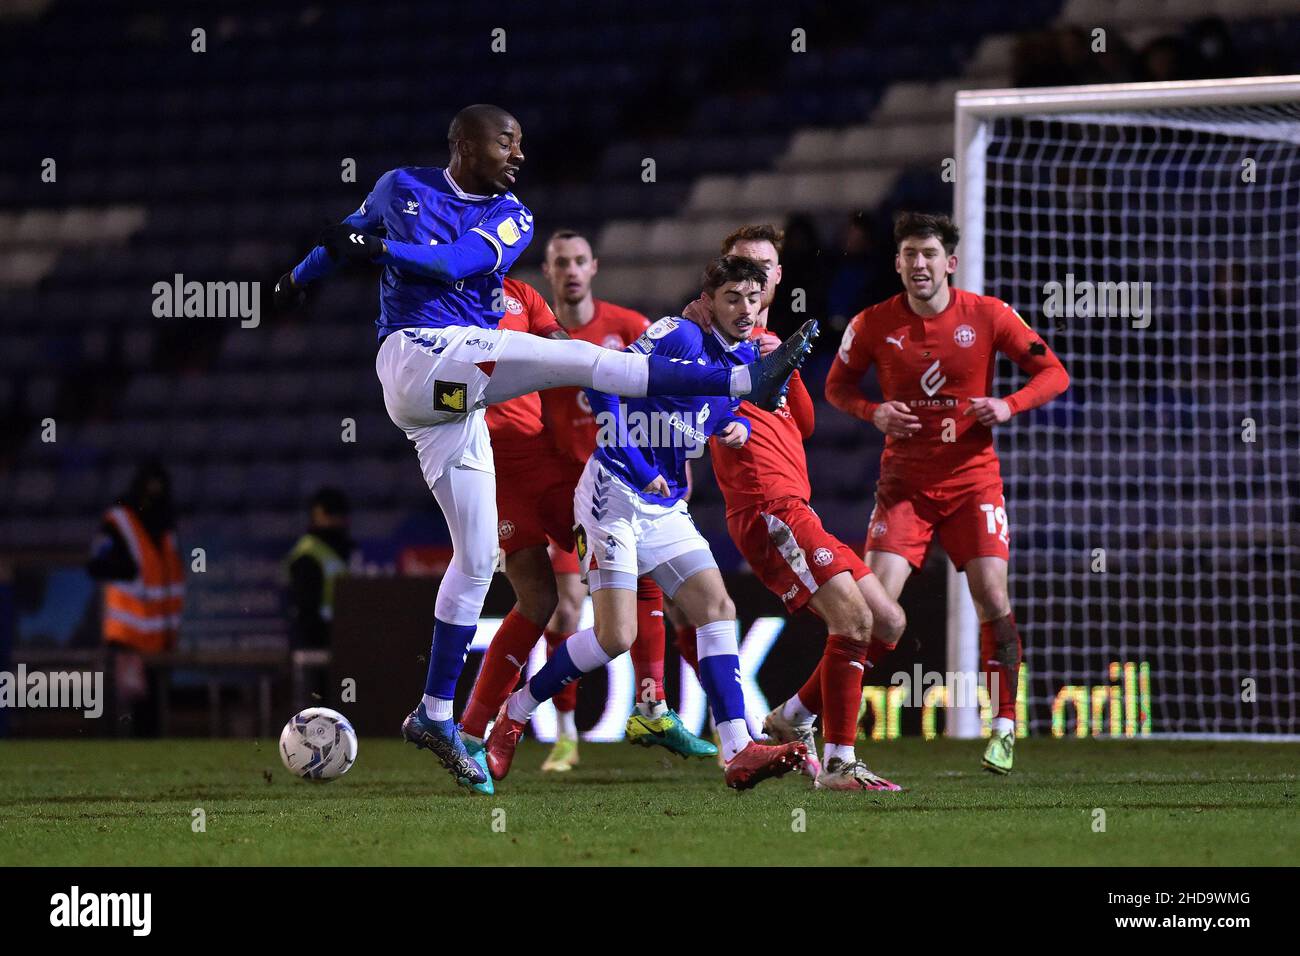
970 518
789 550
535 502
565 562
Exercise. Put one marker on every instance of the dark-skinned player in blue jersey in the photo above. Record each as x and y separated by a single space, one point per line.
448 237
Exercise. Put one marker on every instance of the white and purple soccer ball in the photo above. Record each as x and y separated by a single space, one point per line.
318 744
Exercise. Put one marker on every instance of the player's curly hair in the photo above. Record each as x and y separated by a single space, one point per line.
760 232
726 269
924 225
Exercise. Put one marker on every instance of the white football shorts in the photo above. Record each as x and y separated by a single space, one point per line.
622 537
433 390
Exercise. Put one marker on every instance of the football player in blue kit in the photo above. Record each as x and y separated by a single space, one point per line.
632 521
448 237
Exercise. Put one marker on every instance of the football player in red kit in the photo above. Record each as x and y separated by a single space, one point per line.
766 489
934 348
534 500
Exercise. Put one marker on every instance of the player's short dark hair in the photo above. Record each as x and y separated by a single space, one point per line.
568 234
726 269
924 225
332 501
472 120
760 232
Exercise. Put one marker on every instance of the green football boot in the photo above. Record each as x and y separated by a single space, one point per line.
563 756
669 732
998 754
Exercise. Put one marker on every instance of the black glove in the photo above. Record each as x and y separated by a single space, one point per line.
288 295
345 244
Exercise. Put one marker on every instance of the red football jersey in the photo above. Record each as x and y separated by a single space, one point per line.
512 424
936 365
771 464
566 411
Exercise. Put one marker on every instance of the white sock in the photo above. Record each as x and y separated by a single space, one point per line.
621 373
734 735
844 751
741 383
521 704
652 710
566 726
437 708
585 651
794 711
1003 725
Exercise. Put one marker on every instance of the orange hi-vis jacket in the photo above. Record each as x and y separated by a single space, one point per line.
144 613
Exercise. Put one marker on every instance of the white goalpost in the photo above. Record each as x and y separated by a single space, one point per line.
1151 233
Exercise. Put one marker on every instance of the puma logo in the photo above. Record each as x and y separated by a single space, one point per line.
897 341
454 400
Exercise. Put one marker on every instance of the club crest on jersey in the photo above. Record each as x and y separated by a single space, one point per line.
506 529
514 306
964 336
449 396
508 232
823 557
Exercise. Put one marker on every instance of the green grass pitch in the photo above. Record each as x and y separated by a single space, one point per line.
78 803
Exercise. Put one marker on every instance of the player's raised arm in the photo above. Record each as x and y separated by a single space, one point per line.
492 246
1047 376
290 289
843 391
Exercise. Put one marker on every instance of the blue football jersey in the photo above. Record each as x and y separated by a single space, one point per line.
423 205
640 438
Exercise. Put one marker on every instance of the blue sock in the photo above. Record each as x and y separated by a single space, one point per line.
719 674
447 658
557 672
668 377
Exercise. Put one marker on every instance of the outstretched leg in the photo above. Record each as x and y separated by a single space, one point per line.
529 363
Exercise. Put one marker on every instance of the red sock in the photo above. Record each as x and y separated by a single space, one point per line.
1008 672
497 676
685 641
842 670
566 701
648 648
877 651
810 694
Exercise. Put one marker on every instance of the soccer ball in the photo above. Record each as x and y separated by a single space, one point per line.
318 744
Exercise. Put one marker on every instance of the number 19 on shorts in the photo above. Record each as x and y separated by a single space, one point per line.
995 517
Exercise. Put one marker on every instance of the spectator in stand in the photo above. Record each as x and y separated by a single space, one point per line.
135 556
803 267
856 272
314 564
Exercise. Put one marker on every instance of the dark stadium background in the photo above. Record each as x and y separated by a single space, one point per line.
222 166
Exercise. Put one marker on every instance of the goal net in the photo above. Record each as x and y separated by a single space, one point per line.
1151 233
